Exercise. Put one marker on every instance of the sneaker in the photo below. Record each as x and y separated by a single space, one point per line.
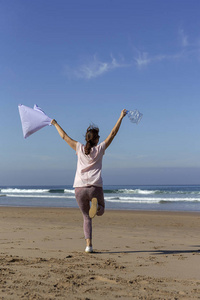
89 249
93 208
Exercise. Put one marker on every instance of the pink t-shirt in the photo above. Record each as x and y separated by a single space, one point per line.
89 167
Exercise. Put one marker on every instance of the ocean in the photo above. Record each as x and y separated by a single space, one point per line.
117 197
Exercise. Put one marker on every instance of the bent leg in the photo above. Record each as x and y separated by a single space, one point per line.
100 210
97 192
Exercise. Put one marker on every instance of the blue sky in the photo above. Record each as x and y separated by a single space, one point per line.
83 62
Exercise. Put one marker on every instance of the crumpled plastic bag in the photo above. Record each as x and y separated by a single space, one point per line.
32 119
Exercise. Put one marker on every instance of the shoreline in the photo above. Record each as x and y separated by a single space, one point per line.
107 209
138 254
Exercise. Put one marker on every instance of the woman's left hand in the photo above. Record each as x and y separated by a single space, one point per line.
123 113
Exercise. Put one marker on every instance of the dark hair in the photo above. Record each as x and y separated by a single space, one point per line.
91 135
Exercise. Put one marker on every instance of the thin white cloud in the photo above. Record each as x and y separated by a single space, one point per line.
94 68
187 50
144 59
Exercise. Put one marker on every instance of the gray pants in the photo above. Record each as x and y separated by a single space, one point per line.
83 197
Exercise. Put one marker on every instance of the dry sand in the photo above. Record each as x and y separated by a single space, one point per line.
138 255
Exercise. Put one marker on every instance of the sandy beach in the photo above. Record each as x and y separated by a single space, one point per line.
138 255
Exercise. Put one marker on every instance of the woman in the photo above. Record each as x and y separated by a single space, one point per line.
88 182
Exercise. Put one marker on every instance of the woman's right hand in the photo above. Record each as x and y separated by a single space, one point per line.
53 122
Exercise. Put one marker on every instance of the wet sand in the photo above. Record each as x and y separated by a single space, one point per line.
138 255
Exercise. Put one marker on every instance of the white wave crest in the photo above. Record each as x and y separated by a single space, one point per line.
149 200
69 191
26 191
137 191
40 196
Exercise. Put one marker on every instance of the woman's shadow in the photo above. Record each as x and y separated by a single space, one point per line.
153 252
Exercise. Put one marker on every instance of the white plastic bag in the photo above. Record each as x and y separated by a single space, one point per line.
32 119
134 116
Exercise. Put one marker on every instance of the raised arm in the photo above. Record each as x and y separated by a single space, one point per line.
115 129
64 135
